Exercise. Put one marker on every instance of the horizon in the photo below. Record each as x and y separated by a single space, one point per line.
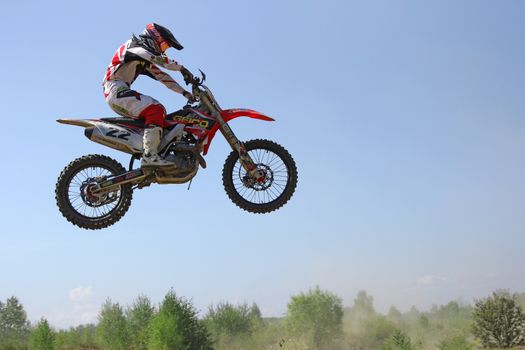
82 294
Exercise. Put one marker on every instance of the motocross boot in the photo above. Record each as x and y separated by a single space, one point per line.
151 141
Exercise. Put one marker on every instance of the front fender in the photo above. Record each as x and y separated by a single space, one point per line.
229 114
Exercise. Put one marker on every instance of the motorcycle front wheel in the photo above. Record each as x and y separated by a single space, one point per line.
76 200
279 182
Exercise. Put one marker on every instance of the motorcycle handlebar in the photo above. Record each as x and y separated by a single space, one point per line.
195 83
189 78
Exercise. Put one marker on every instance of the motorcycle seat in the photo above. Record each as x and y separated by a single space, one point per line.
123 120
181 112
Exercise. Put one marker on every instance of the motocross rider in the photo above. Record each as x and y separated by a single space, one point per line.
144 55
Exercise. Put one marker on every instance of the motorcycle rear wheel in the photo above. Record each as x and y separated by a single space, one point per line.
279 184
78 205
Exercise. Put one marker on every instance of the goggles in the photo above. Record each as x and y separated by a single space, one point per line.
164 46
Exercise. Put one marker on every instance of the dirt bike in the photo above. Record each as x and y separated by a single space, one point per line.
95 191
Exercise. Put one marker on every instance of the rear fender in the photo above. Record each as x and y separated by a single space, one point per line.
85 123
229 114
111 135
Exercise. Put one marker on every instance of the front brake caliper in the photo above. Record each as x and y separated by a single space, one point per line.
247 181
261 179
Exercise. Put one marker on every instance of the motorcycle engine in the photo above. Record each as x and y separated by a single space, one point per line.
185 162
182 154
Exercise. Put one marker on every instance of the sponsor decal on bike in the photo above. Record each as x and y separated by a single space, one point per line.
205 124
132 174
118 134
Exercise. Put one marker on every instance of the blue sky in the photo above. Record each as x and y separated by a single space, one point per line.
406 120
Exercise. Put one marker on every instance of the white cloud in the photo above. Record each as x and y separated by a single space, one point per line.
87 317
429 280
81 309
80 293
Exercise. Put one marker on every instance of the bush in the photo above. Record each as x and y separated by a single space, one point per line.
42 337
458 342
67 339
398 341
499 321
376 329
176 326
318 315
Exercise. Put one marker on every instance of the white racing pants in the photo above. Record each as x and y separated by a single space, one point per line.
130 103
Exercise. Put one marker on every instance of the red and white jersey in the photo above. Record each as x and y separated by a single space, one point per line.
133 59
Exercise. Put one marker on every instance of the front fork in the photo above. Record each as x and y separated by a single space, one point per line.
245 159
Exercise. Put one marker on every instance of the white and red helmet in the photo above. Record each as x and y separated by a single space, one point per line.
160 38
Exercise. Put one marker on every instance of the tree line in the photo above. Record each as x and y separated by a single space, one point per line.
315 319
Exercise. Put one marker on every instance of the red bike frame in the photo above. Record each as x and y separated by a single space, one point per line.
205 136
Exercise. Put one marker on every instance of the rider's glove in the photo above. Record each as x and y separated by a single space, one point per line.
189 96
188 77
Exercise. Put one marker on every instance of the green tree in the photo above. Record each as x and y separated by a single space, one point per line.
112 327
139 316
317 315
176 326
521 299
499 321
360 313
14 326
83 336
13 317
394 314
450 310
364 303
230 320
86 335
424 322
42 337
